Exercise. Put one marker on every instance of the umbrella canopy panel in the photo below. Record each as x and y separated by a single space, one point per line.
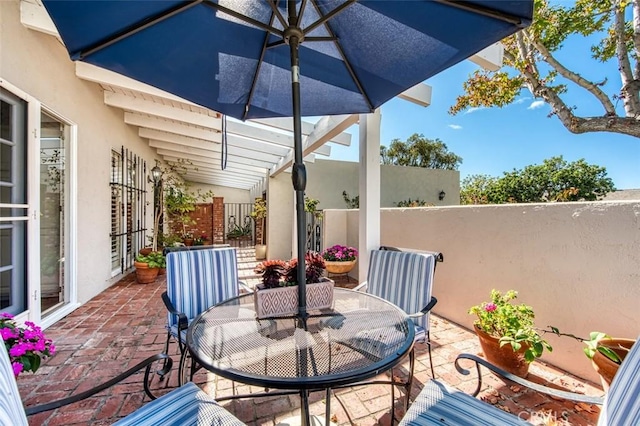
231 55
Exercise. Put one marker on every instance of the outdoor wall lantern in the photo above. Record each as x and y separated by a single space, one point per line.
156 175
440 195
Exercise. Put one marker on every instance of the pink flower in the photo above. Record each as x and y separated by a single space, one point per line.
17 368
7 333
490 307
18 349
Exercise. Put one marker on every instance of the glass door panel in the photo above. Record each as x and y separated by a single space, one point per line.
13 204
52 218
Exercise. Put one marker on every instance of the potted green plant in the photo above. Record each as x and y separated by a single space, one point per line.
340 259
277 294
605 352
507 333
148 267
259 214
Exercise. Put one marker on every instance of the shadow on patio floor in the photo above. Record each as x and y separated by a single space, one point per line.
125 324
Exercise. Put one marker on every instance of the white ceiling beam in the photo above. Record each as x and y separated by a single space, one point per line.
489 58
213 159
325 129
232 140
227 177
143 106
420 94
229 169
259 133
216 164
208 181
105 77
171 127
286 123
208 151
35 17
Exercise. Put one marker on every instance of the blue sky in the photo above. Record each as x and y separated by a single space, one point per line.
494 140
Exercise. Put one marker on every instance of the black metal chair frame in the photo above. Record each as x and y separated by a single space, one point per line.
146 364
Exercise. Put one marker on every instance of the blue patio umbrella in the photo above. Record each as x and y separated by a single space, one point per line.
284 58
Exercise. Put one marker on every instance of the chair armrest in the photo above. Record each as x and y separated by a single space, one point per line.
523 382
244 287
426 309
183 321
361 286
146 364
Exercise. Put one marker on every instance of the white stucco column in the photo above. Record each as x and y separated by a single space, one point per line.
369 189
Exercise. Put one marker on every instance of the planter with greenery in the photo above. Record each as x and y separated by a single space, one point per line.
148 267
277 295
507 333
340 259
605 352
259 215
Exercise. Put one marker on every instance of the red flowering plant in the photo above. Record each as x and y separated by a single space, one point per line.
340 253
26 345
278 273
512 324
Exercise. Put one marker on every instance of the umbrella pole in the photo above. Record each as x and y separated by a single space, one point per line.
299 172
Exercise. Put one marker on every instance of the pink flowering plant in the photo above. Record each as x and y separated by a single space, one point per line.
26 345
339 253
512 324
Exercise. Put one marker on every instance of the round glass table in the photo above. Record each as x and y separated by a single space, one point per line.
359 338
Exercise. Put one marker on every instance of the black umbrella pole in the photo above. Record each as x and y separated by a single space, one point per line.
299 178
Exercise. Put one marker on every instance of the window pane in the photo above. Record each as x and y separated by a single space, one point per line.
5 289
5 247
5 121
5 162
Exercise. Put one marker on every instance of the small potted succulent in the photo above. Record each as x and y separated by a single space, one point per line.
507 333
277 295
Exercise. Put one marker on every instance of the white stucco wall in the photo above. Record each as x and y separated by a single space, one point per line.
39 65
577 264
328 178
230 195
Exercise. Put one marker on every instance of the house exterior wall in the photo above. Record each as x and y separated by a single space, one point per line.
230 195
576 264
39 65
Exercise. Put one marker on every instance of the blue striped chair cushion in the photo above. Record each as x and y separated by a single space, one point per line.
438 404
185 406
622 403
404 279
199 279
11 409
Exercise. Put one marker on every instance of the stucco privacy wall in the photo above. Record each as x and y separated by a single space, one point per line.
38 64
577 264
326 179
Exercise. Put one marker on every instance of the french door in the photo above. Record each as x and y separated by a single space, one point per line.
37 207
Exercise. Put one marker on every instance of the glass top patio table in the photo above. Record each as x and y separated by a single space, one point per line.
359 338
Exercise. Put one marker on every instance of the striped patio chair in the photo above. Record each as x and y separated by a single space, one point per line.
184 406
440 404
405 279
196 280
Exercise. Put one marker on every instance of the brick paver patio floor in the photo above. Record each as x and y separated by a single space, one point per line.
125 324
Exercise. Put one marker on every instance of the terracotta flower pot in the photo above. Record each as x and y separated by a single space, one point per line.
144 274
605 367
503 357
336 267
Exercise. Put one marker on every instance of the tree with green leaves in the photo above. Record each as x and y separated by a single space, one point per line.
553 180
418 151
533 60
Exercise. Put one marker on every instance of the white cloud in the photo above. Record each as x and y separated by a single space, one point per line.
473 109
455 126
536 105
521 100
